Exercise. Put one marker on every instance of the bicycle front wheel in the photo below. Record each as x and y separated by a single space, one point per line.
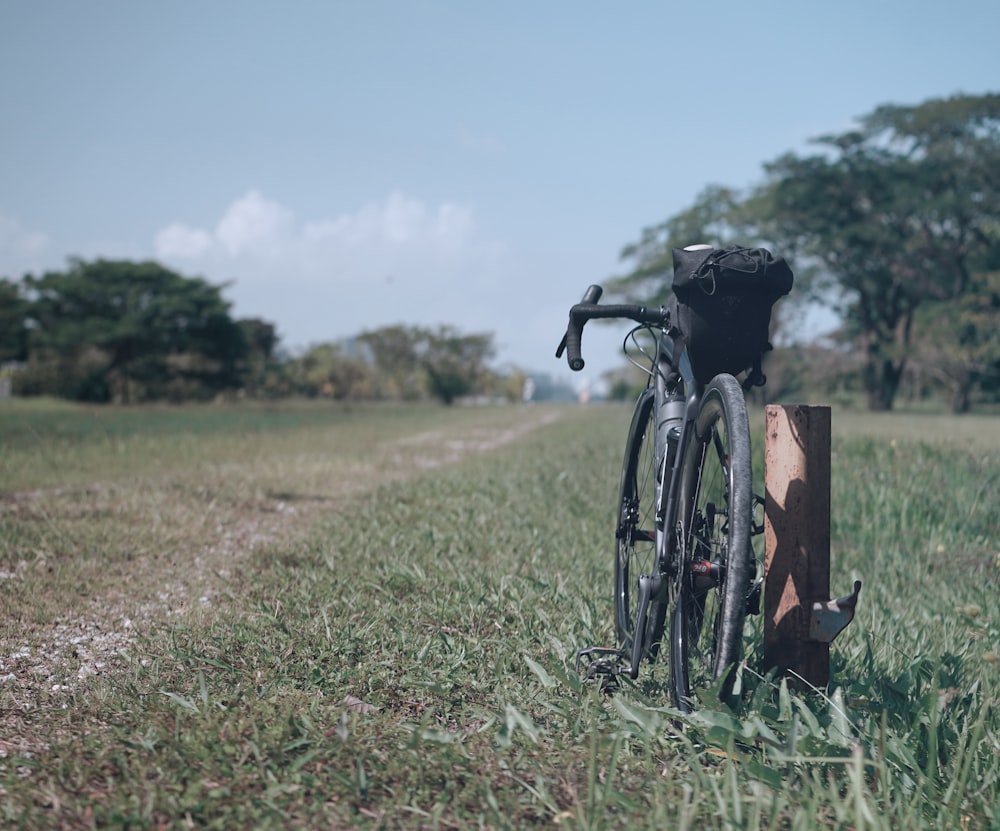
715 556
635 545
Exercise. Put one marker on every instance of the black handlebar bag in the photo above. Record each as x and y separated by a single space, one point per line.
722 306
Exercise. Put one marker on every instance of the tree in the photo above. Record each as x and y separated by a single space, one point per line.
898 213
713 218
442 362
455 364
326 371
121 330
958 342
261 339
13 322
394 353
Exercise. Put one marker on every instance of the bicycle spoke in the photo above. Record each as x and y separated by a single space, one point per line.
720 451
635 559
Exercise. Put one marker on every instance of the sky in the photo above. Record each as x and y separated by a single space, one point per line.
345 165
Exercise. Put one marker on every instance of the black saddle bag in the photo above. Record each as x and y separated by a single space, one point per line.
722 306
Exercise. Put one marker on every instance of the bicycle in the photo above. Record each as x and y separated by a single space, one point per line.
687 514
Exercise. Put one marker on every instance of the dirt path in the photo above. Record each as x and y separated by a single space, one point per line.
107 560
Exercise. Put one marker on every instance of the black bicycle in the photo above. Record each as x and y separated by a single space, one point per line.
687 515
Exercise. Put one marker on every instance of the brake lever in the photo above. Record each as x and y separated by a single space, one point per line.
562 346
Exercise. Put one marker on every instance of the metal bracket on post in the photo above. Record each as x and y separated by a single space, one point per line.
831 618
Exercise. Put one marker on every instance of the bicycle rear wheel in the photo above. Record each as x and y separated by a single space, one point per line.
715 569
635 546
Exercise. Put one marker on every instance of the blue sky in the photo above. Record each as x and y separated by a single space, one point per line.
354 164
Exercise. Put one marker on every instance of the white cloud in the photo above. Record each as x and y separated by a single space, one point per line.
398 234
251 227
255 224
178 241
397 222
391 260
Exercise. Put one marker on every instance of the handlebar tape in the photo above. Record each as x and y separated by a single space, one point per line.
574 331
588 309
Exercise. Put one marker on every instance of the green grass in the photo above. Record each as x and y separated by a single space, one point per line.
399 652
55 444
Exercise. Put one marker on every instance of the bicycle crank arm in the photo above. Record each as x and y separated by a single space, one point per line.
650 585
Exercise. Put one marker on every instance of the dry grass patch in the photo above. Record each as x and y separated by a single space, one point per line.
164 522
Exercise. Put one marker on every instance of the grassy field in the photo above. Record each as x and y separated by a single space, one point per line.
326 617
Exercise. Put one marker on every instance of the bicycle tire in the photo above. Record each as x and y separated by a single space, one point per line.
635 544
715 505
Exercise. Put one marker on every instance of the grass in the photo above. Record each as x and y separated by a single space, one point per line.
369 618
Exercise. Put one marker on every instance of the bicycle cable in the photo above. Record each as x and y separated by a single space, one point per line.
640 348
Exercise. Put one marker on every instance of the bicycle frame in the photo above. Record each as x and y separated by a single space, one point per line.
666 498
665 380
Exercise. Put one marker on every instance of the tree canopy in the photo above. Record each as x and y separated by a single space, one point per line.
882 221
400 362
127 331
445 362
899 213
13 322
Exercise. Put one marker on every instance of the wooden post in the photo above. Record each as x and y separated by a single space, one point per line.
796 538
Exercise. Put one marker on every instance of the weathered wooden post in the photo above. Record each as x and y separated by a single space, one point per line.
796 539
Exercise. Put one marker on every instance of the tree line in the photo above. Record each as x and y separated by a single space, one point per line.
895 226
127 332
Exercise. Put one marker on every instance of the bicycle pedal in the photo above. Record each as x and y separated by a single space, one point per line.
603 662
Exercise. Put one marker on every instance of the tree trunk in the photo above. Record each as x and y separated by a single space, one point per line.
961 401
882 378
